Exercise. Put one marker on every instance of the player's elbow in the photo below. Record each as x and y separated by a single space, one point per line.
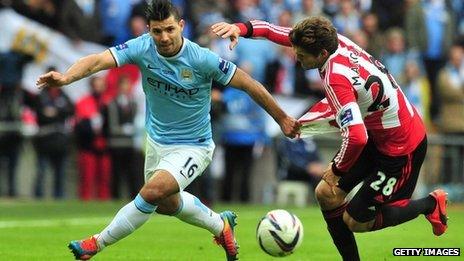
358 137
359 140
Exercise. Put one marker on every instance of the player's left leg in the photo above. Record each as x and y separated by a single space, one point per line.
391 188
189 209
186 164
333 206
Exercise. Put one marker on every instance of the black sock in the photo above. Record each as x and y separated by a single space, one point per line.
388 216
342 236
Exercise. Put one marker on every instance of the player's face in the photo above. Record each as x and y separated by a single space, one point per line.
309 61
167 35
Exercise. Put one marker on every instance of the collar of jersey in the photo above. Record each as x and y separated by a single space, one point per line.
184 43
330 58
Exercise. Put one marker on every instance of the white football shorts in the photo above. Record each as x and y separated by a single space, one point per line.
184 162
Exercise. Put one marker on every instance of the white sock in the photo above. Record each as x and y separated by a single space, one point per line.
194 212
127 220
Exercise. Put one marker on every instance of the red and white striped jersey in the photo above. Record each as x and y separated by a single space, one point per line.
364 97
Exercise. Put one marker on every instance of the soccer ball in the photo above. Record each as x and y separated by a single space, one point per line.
279 233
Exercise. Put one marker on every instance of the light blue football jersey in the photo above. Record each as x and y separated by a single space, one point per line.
177 88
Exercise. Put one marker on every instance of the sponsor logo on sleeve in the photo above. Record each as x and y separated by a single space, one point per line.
346 117
224 65
120 47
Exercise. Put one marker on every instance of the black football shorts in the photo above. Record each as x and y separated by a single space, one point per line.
387 179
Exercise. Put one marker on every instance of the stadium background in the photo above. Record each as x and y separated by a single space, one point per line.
37 34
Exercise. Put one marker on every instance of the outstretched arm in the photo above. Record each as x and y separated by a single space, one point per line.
253 29
84 67
241 80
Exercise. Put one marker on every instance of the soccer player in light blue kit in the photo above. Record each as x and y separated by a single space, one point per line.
177 76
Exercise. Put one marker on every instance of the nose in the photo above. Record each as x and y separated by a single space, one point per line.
164 37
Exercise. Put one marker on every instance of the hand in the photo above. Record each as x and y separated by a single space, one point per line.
290 127
51 79
331 178
225 30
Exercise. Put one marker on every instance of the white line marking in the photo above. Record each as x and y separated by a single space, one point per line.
54 222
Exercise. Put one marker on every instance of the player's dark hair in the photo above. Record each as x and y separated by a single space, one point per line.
159 10
314 34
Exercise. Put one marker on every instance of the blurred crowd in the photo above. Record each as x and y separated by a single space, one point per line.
421 42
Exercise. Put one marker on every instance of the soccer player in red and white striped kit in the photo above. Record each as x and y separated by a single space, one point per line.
384 139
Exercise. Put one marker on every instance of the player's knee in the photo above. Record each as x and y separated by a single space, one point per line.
160 186
349 221
321 192
324 195
153 192
168 206
352 224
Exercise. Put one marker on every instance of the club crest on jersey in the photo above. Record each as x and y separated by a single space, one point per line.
224 65
186 74
345 117
120 47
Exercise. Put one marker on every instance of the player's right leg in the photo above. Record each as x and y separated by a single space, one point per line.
396 191
384 200
129 218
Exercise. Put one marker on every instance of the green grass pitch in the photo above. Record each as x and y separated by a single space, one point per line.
42 230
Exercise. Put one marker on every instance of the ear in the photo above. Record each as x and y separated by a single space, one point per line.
148 27
181 24
324 54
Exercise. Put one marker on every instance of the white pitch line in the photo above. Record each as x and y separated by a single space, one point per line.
54 222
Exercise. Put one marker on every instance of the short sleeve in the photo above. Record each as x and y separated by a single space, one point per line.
217 68
126 53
